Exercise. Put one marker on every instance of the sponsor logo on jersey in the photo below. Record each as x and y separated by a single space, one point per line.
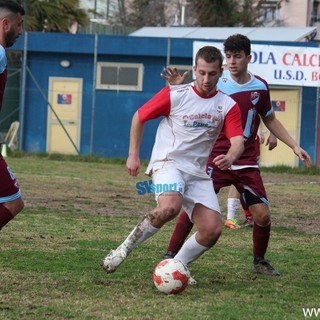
199 120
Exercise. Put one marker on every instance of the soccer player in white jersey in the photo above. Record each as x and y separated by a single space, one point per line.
194 115
252 94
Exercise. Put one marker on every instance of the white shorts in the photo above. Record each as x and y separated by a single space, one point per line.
194 189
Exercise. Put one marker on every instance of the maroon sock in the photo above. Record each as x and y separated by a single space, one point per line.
5 216
180 233
260 237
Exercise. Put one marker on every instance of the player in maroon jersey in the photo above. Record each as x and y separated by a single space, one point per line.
253 96
11 20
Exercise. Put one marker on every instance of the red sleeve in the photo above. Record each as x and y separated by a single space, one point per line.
157 106
233 124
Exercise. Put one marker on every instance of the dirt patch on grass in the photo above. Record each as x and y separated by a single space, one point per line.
294 199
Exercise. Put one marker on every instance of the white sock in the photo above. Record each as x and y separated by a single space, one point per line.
191 250
233 206
141 232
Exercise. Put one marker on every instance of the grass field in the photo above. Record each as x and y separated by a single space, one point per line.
76 211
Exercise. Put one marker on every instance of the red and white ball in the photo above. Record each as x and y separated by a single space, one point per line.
171 276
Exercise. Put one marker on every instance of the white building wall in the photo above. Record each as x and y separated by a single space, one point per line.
294 13
297 13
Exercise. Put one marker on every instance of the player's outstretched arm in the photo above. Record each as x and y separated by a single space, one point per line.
276 128
173 76
136 132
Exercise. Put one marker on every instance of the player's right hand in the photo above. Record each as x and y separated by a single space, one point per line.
133 166
223 161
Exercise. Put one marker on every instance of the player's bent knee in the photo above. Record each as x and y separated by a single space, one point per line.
211 235
15 206
263 220
162 215
168 213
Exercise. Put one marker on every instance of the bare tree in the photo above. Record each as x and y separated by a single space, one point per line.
141 13
204 13
225 13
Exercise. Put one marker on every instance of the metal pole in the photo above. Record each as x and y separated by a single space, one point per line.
183 14
23 90
317 132
107 10
95 9
168 51
93 106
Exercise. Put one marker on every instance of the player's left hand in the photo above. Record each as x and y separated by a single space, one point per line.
303 156
272 142
260 136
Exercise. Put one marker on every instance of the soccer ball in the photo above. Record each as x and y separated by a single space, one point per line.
171 276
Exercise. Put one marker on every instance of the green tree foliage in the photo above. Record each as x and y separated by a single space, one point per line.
53 15
224 13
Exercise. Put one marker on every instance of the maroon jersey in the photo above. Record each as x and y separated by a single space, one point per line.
253 99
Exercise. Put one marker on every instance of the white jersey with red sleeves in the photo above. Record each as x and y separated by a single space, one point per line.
191 125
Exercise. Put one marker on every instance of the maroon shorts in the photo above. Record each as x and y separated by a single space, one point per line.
245 180
9 188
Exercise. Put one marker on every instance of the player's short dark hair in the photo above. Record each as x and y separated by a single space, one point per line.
237 43
12 6
209 54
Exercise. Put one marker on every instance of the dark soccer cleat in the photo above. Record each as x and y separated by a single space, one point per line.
263 266
169 255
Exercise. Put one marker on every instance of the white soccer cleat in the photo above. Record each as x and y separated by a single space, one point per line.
192 281
114 259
